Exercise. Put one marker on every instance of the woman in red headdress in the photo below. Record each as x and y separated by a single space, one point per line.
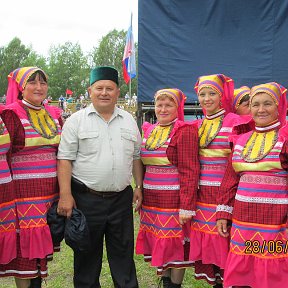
170 154
209 250
255 196
35 134
241 101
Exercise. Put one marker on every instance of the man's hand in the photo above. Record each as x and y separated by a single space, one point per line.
222 227
65 205
137 198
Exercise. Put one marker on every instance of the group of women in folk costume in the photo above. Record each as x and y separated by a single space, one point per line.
238 176
29 138
215 189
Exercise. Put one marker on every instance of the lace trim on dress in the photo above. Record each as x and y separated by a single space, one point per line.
187 212
242 198
161 187
224 208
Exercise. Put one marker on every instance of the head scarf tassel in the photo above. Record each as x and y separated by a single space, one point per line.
12 91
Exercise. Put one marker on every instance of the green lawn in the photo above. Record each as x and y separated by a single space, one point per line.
61 272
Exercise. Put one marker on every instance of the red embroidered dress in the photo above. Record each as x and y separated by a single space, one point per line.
170 185
258 254
7 202
210 250
33 165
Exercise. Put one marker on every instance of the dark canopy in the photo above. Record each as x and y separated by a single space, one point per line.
179 40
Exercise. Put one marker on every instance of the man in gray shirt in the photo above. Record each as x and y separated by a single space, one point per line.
98 152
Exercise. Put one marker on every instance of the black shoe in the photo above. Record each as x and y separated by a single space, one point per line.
173 285
35 282
218 285
166 282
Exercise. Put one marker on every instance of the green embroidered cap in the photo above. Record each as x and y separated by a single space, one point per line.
104 73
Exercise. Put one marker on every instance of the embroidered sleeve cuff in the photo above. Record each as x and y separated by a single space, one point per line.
187 212
224 208
223 215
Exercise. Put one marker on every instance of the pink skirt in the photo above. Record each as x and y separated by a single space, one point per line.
258 256
247 270
162 240
208 245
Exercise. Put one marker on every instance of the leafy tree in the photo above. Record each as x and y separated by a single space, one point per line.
33 59
66 65
110 53
68 69
11 57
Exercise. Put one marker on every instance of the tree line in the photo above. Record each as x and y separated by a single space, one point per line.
66 65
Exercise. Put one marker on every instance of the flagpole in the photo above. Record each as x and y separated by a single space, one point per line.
129 56
130 93
130 96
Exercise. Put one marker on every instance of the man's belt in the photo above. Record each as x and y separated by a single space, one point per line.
78 185
105 194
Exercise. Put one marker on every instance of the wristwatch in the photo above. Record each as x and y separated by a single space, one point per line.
138 186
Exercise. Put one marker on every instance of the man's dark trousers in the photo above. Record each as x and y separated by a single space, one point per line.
111 217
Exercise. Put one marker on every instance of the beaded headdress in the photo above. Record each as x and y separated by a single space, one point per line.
277 93
220 83
17 81
238 95
178 97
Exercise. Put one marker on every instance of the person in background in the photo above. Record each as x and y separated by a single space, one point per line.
241 101
78 105
134 99
34 131
3 99
99 150
170 155
61 102
208 249
127 98
241 107
81 98
69 104
69 99
255 196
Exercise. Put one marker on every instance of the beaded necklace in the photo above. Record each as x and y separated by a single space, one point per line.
158 137
34 113
259 144
207 131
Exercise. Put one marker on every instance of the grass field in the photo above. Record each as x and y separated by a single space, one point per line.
61 272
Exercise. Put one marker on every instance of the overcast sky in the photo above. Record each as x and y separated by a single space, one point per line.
45 23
